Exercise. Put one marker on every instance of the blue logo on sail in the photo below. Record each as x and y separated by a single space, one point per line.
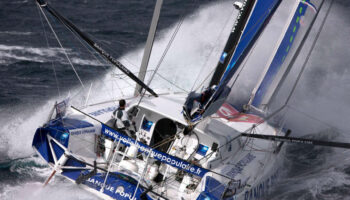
222 58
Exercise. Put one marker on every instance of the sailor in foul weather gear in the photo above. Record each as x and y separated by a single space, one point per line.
201 98
122 122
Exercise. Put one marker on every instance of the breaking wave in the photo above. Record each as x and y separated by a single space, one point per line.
16 33
26 182
311 172
17 132
308 172
14 54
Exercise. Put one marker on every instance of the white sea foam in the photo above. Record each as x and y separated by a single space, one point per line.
5 56
17 132
16 33
80 61
10 54
194 51
57 190
182 62
39 51
201 30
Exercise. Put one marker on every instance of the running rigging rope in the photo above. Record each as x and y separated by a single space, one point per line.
59 42
52 63
299 76
163 55
211 53
305 62
88 48
311 49
286 103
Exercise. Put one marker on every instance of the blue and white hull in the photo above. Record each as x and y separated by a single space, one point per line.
211 162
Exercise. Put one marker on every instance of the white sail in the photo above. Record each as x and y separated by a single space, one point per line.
285 53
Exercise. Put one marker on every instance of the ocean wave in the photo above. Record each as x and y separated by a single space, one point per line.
27 177
17 131
80 61
15 33
313 172
9 58
14 54
34 190
51 51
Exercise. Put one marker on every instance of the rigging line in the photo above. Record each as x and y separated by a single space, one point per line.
252 28
163 55
123 75
94 45
209 170
296 54
311 49
165 52
172 83
120 89
121 56
305 62
170 43
59 42
245 62
113 174
89 50
228 142
316 119
211 52
206 78
103 62
52 64
166 140
79 137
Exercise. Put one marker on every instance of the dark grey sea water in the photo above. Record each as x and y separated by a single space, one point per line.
320 107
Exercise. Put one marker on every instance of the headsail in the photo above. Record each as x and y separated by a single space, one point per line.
300 21
259 16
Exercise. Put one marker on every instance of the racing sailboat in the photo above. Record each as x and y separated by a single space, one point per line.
220 151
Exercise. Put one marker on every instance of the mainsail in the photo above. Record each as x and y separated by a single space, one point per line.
258 18
291 40
298 25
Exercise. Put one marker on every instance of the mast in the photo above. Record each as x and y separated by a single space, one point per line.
94 45
233 40
149 45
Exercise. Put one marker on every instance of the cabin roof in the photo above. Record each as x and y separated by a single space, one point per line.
169 105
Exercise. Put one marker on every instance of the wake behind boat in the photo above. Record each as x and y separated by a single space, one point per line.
176 145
